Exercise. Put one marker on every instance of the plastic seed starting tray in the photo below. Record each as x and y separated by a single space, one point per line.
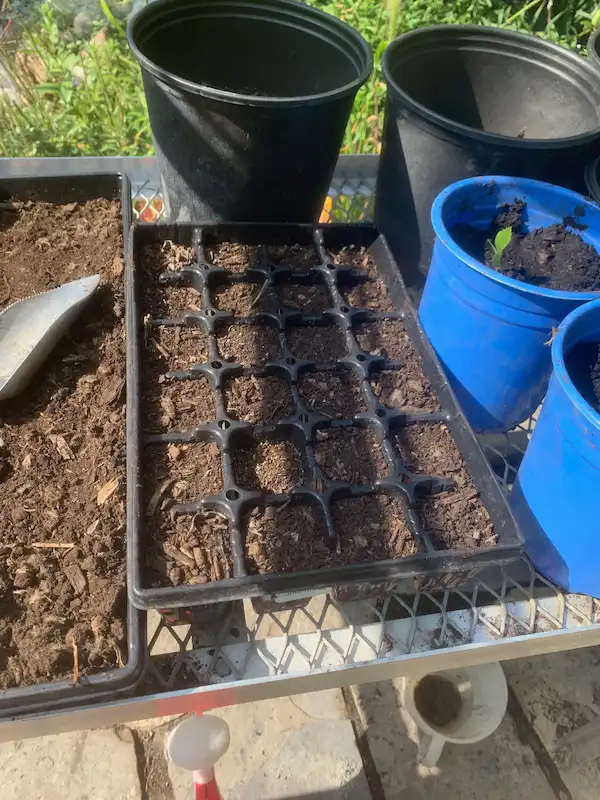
45 186
300 425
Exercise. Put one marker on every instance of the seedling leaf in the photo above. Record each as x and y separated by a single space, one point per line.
500 243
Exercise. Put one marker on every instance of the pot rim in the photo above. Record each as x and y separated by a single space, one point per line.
559 363
293 9
496 36
445 236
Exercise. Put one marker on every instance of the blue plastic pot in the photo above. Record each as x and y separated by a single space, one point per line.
557 492
490 331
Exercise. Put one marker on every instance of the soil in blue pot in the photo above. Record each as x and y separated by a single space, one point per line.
554 257
583 364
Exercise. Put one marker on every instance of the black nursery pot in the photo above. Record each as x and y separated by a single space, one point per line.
466 100
248 103
593 45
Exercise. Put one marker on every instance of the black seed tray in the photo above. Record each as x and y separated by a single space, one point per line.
301 424
49 186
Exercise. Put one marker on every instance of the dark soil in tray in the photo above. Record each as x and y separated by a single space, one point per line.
320 343
258 399
232 257
350 454
371 528
294 537
274 467
438 700
249 345
178 405
163 301
175 348
43 245
367 293
454 518
298 258
190 550
243 299
181 473
309 298
286 539
554 257
62 499
406 388
354 256
387 338
335 394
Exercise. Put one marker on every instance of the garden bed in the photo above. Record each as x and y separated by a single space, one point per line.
62 557
278 466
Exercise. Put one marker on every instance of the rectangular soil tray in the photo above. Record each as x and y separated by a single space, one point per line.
292 427
68 633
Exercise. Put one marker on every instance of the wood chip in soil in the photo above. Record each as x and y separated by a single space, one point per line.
232 256
167 302
456 518
307 298
180 473
387 338
173 348
354 256
298 258
371 528
335 394
257 399
320 343
249 345
406 388
350 454
63 445
368 293
178 405
274 467
189 550
243 299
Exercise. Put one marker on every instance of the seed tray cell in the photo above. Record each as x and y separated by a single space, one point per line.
312 399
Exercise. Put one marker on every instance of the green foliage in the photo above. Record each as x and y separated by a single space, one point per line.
77 97
499 245
91 102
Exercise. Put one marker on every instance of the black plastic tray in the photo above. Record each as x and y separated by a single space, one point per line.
51 187
429 568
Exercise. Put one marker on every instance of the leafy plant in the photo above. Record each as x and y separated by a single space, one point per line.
499 245
72 96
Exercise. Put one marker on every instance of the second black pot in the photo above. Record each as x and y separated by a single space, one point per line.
248 103
466 100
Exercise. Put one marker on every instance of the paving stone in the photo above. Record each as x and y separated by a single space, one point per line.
493 769
560 695
284 748
91 765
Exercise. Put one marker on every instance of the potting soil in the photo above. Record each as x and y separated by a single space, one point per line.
554 257
62 456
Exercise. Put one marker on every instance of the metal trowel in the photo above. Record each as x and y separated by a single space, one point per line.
30 328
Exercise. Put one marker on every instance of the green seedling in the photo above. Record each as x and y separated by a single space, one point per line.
499 245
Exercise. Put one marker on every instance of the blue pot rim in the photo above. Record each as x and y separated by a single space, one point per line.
442 232
560 367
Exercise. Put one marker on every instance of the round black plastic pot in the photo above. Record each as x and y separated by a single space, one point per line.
469 100
593 45
248 102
